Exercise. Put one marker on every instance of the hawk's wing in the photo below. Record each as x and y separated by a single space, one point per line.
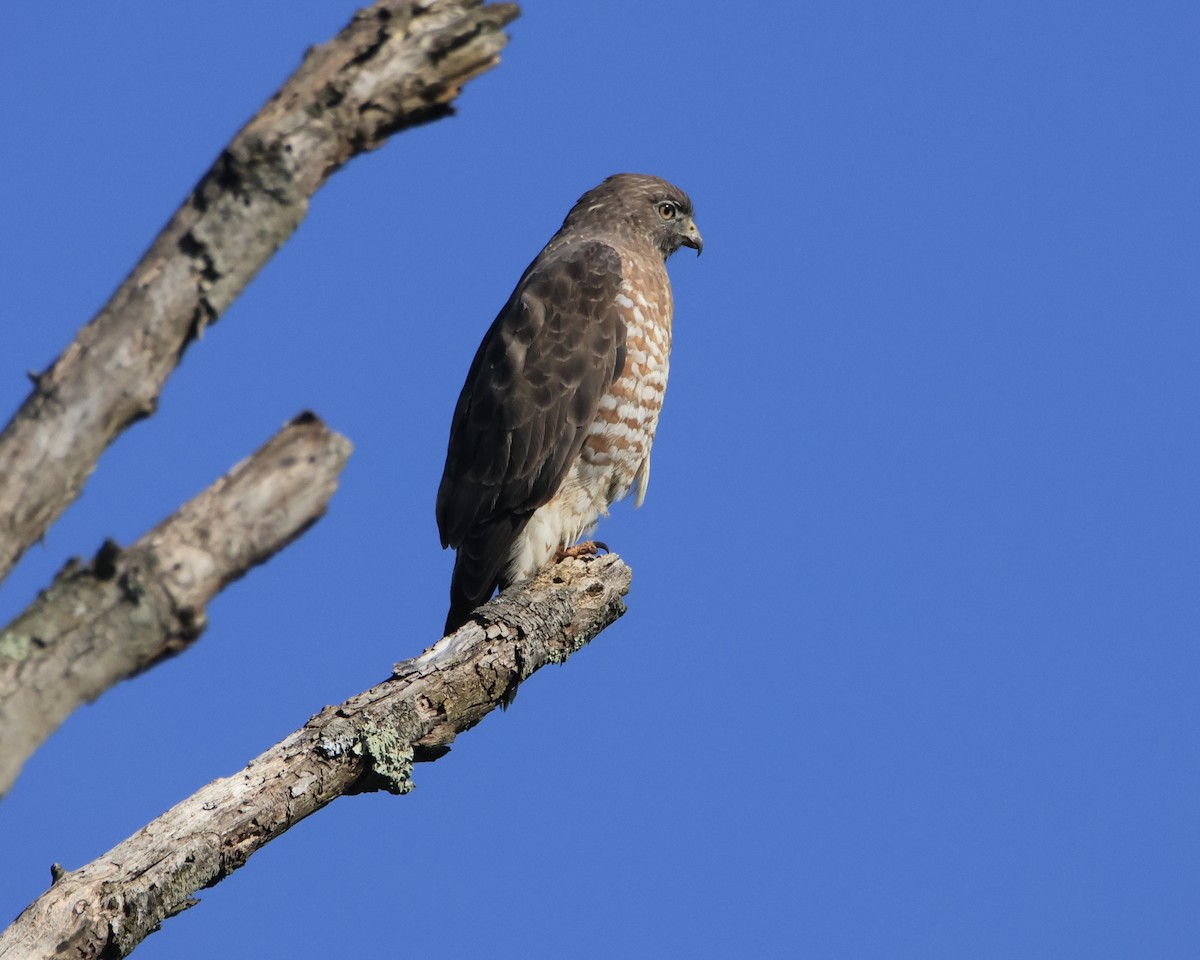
533 390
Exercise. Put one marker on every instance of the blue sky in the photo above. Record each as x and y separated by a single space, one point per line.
910 663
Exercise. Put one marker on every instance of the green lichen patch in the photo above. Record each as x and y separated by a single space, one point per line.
15 646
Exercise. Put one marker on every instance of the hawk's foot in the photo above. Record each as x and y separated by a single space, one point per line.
588 548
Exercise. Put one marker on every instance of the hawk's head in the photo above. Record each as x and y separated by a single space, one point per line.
643 206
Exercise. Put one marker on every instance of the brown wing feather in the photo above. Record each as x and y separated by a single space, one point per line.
533 390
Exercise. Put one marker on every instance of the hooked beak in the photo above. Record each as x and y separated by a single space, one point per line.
692 238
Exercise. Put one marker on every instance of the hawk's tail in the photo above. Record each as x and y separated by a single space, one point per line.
479 567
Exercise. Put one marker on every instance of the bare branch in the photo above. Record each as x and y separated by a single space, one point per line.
397 64
368 743
129 609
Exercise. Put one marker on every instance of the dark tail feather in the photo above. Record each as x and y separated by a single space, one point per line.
479 568
461 608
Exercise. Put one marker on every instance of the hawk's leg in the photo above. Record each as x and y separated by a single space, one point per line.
588 548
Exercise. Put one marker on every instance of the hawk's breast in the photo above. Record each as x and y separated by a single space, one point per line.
617 449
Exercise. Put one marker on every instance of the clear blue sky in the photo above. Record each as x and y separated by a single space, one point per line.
910 667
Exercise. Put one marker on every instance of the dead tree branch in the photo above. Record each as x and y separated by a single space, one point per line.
129 609
370 742
397 64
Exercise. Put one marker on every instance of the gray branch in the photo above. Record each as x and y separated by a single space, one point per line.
100 623
370 742
397 64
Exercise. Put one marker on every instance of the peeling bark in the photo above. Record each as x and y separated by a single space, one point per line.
397 64
370 742
128 609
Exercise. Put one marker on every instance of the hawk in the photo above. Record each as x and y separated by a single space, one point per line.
556 418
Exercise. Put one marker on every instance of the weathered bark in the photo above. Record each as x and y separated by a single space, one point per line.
128 609
370 742
397 64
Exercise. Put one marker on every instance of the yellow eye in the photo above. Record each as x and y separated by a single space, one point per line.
666 210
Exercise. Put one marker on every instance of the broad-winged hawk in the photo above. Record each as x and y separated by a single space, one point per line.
558 413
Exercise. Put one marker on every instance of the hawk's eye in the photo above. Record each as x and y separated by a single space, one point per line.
666 210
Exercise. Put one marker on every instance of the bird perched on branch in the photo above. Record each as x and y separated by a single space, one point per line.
558 413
